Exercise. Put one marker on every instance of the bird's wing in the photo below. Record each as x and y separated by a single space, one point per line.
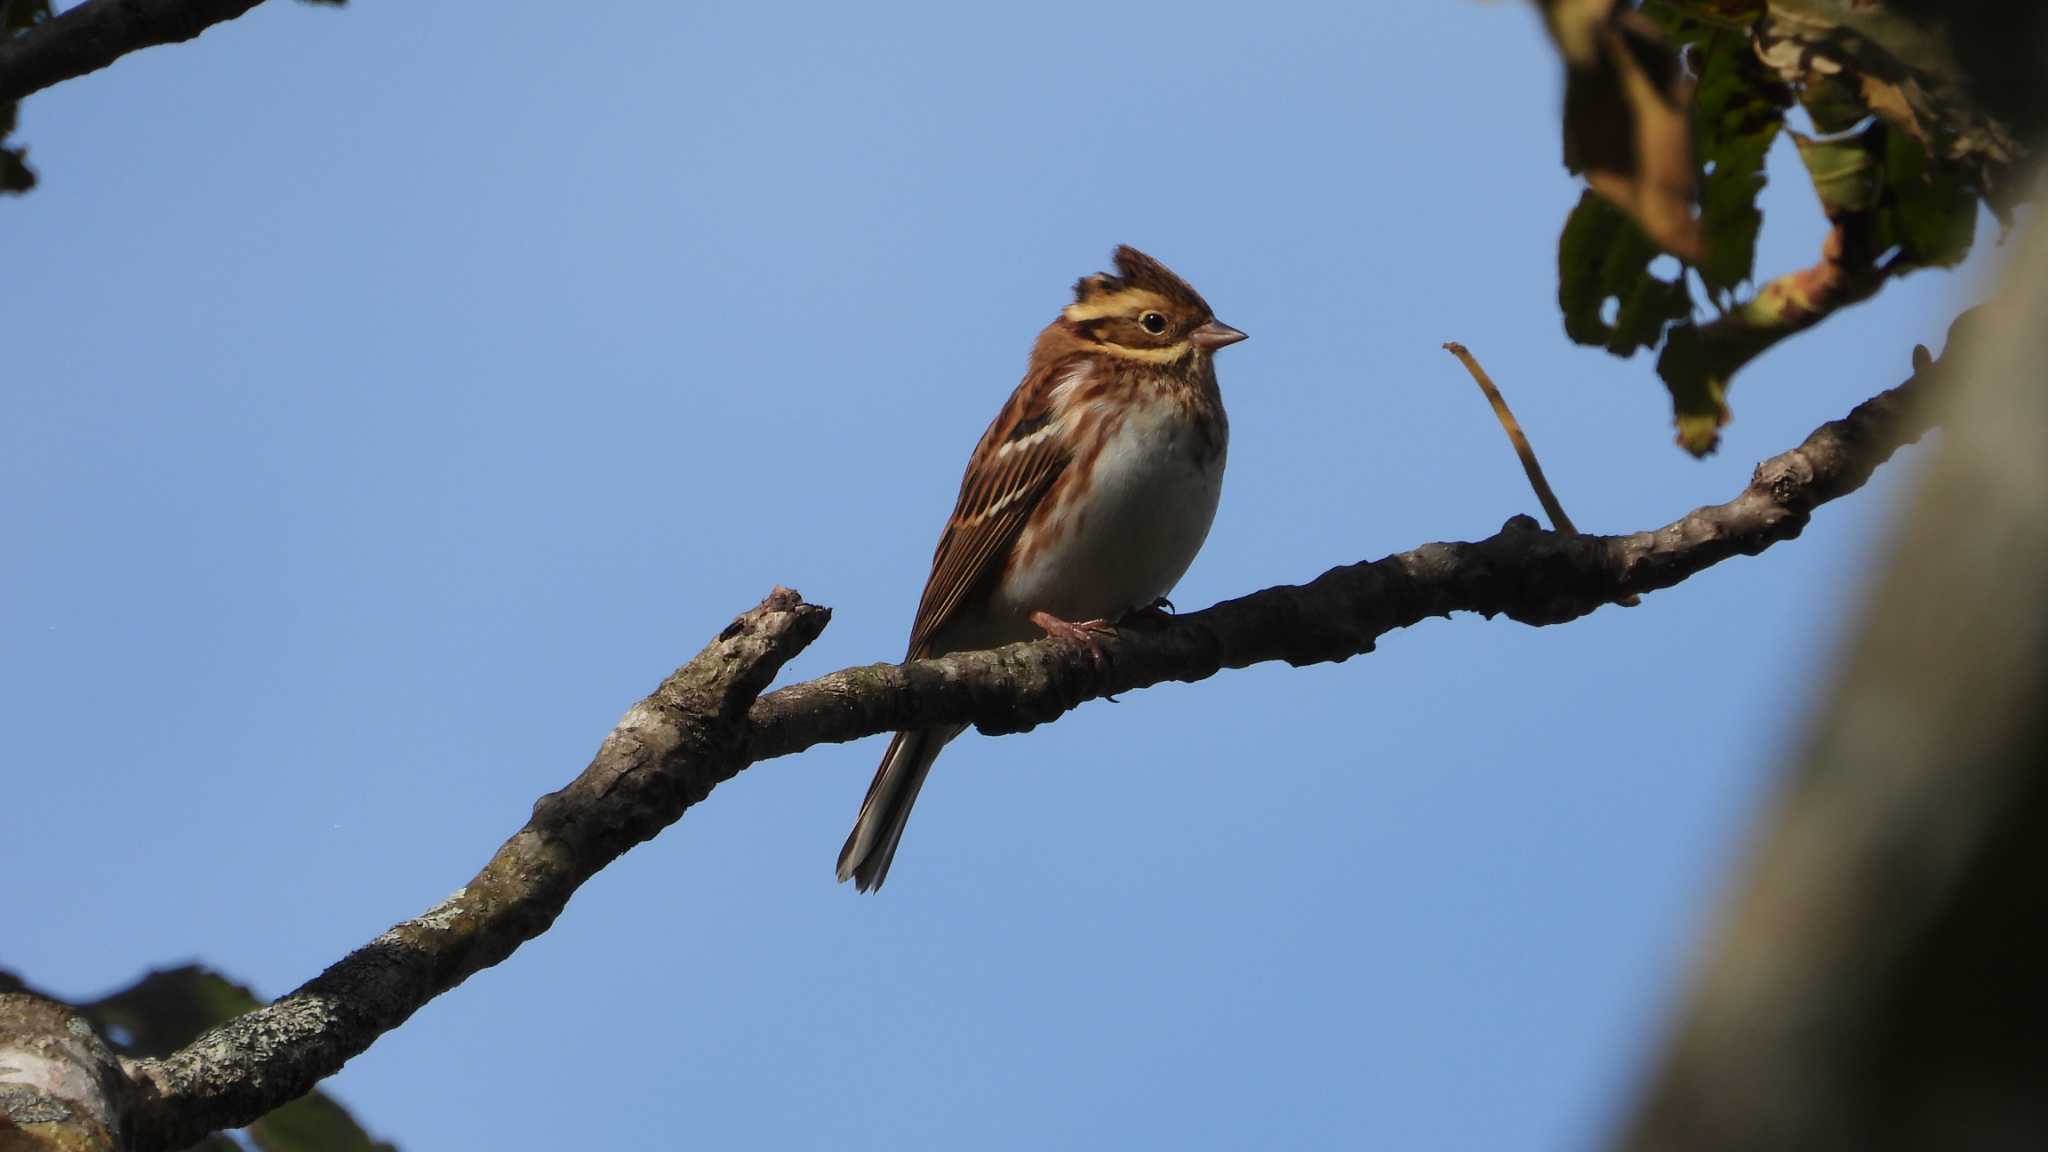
1013 467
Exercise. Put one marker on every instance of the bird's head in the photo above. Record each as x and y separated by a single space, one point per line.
1144 313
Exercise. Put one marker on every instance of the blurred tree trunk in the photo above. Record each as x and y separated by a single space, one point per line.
1881 977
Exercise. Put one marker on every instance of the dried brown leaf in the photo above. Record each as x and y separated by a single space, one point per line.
1627 107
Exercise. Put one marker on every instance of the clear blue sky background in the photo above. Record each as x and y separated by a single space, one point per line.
394 394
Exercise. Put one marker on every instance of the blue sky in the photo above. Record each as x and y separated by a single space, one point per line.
396 393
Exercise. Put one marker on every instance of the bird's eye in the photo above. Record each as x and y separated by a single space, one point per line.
1153 322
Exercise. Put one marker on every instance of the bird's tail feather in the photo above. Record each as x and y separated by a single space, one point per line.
872 844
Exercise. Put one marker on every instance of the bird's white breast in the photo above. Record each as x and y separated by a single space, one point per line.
1122 539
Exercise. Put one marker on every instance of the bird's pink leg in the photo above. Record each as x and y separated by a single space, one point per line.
1083 633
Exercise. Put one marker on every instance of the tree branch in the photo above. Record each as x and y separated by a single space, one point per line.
705 723
665 755
1521 572
97 33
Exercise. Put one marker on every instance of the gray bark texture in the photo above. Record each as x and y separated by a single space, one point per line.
61 1088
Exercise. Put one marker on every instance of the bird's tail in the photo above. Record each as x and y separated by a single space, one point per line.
872 844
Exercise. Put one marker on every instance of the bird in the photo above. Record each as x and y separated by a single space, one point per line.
1082 505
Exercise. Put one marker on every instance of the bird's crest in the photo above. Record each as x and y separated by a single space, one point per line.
1142 272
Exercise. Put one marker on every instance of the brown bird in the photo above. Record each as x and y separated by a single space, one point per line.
1084 502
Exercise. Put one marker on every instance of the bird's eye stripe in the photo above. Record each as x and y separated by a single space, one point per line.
1166 355
1118 303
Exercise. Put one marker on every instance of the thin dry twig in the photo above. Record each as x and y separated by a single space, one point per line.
1513 427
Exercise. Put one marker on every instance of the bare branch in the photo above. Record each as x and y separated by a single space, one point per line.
97 33
705 723
665 755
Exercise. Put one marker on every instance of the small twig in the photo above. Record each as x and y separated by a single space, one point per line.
1559 522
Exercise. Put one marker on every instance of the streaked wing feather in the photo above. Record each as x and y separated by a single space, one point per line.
978 537
996 498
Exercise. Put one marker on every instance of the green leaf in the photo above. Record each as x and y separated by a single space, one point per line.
1845 174
1699 390
168 1009
313 1123
1835 102
1930 213
1964 79
1738 110
1604 256
1924 209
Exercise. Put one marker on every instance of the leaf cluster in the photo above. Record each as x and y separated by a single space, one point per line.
1898 193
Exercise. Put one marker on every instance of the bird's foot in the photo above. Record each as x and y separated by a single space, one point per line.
1150 615
1083 633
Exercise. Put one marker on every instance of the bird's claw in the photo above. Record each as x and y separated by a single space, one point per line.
1157 612
1083 633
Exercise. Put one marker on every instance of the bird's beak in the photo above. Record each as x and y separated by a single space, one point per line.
1213 335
